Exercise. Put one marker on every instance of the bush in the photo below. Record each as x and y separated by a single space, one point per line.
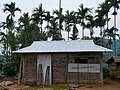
9 70
105 71
10 65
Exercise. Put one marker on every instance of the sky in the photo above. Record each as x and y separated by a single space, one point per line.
50 5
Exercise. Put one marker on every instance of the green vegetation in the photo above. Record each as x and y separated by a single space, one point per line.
60 88
52 87
105 71
8 70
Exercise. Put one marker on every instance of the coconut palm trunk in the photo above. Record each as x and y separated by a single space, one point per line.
91 32
83 29
101 35
68 35
107 17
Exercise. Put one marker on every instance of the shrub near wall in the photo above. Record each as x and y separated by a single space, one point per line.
106 72
9 70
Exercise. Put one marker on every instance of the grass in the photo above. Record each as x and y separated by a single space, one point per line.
1 76
60 88
1 80
50 87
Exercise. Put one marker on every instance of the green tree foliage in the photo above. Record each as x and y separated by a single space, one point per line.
74 35
38 16
90 24
109 33
99 21
8 38
83 13
29 32
60 17
54 32
115 5
11 9
106 72
48 18
69 17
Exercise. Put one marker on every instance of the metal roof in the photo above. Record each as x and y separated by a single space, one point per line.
62 46
115 59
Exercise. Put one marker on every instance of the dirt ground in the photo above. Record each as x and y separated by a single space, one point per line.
108 85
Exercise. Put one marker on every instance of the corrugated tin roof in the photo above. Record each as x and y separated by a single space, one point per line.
62 46
114 59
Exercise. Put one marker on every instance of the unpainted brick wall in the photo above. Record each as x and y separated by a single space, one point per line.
30 68
59 65
60 68
114 70
60 72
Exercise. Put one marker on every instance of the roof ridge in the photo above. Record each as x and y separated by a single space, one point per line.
65 41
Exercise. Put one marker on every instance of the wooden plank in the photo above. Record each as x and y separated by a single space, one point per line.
20 72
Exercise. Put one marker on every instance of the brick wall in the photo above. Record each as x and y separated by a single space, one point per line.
114 70
60 68
60 72
30 68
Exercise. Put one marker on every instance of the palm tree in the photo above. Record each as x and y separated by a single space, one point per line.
24 20
54 30
69 17
35 34
60 17
111 35
104 7
83 13
23 29
28 32
90 24
11 9
9 42
74 35
115 5
38 16
9 38
99 20
48 18
98 40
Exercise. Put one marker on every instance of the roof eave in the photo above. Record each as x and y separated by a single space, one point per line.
60 52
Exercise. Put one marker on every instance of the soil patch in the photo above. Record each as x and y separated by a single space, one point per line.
109 84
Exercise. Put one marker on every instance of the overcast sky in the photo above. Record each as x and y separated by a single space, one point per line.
50 5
